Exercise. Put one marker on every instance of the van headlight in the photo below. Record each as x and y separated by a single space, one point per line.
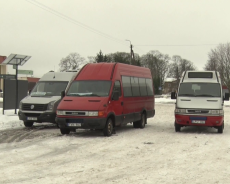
180 110
217 112
20 106
60 112
51 105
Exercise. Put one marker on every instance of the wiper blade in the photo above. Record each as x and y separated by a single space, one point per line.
92 94
186 95
73 94
205 95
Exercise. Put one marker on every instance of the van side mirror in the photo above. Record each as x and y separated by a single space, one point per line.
115 95
173 95
226 97
62 94
29 91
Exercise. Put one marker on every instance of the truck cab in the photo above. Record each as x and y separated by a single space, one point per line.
199 100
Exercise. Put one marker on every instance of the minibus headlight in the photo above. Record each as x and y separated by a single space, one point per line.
180 110
60 112
218 112
93 113
51 105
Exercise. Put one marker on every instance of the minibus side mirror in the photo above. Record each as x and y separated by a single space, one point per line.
226 97
115 95
29 91
173 95
62 94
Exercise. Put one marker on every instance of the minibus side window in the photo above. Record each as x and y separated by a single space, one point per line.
143 87
135 86
126 86
149 87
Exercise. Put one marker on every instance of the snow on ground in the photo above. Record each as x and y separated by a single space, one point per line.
155 154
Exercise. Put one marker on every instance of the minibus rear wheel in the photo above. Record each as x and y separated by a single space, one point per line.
108 130
64 131
177 127
28 124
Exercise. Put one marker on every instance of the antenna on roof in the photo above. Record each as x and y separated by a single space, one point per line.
54 72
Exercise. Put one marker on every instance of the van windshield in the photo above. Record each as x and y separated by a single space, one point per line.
89 88
48 88
200 89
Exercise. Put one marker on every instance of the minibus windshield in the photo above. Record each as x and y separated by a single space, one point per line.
89 88
48 88
200 89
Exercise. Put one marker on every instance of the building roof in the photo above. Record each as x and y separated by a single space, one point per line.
2 58
32 79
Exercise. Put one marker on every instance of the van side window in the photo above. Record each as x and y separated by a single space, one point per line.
143 87
126 86
149 87
117 87
135 86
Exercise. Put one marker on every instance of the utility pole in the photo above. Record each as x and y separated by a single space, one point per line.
131 52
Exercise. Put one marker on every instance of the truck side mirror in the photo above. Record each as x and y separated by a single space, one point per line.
62 94
226 97
173 95
115 95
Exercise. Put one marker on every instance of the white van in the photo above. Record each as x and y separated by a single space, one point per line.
41 104
199 101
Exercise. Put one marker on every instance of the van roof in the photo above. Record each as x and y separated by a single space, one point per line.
58 76
201 76
104 71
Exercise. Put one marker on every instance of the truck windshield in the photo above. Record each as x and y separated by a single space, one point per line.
46 88
200 89
89 88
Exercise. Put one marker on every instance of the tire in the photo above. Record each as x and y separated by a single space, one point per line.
64 131
142 122
177 127
135 124
28 124
220 129
108 130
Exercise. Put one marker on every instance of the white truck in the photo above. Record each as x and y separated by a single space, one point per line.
200 100
41 104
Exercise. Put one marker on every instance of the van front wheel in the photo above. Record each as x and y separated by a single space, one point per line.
108 130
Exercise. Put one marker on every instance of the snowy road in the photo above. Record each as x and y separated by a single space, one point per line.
156 154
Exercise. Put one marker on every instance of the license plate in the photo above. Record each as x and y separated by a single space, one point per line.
74 124
32 118
198 121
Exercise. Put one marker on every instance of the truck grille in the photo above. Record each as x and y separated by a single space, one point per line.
34 107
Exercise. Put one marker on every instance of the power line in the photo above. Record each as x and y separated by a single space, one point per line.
168 45
52 11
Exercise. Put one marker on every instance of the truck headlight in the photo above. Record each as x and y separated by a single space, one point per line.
93 113
60 112
180 110
51 105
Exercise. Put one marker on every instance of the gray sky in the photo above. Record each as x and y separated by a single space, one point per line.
189 28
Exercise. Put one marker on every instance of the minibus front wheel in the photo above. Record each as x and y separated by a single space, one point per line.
108 130
64 131
177 127
28 124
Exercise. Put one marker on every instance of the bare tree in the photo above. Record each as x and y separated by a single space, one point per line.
158 64
71 62
219 60
178 66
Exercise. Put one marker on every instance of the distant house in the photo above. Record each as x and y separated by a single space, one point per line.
170 84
